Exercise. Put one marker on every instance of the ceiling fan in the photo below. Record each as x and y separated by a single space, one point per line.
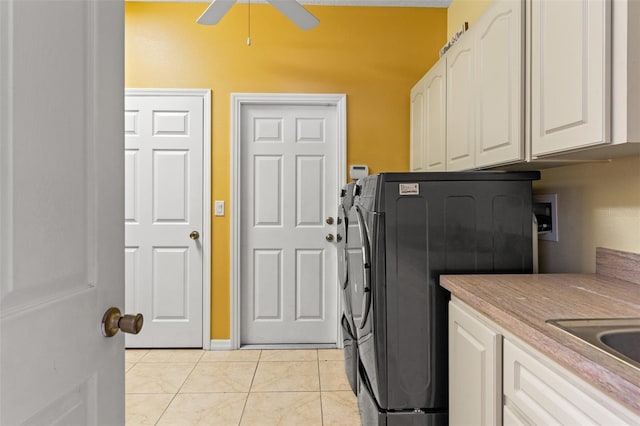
289 8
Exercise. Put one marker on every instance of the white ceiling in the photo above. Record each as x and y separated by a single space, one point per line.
385 3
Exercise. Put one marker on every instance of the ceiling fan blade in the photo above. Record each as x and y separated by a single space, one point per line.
296 13
216 10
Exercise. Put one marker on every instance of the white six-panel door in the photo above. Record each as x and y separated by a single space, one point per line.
61 231
163 207
289 189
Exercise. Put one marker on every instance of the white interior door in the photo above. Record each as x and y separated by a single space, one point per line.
289 189
61 263
164 235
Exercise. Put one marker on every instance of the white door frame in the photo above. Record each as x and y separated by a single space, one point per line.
206 236
238 100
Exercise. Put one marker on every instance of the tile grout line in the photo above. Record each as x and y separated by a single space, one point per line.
250 386
320 388
178 391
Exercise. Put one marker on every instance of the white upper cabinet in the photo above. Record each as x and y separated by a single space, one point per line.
428 120
499 42
417 126
570 74
473 97
585 64
536 81
435 133
461 133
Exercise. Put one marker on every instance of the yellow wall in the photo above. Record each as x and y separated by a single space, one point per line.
598 206
374 55
461 11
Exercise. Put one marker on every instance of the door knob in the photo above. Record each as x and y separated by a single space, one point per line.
329 220
329 237
194 235
113 320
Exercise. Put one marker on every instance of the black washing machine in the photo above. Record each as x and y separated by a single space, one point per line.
412 227
344 250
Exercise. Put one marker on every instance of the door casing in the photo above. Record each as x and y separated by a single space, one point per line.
206 196
238 100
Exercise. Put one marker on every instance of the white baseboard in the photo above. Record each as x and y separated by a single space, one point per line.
220 344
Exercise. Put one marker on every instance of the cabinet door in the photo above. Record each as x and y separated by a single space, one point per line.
460 96
541 395
475 391
570 74
417 127
435 132
498 75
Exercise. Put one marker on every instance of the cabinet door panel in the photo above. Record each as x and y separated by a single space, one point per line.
499 74
417 127
570 72
435 97
546 397
460 95
474 370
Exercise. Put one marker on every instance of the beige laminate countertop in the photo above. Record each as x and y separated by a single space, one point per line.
520 304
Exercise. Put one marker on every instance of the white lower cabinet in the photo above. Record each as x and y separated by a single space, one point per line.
541 394
495 378
475 370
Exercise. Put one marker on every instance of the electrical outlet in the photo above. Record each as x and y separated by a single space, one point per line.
545 208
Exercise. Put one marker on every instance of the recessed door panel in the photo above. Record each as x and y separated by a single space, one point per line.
310 282
268 191
268 284
170 186
310 190
268 130
310 130
131 185
170 123
131 276
131 122
170 283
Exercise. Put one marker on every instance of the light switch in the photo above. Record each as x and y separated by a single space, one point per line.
219 208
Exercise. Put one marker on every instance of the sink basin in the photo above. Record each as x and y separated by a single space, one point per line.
626 342
618 337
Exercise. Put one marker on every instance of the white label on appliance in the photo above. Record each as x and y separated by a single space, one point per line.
409 189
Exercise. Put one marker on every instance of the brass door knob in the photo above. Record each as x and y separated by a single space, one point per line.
194 235
113 320
329 220
329 237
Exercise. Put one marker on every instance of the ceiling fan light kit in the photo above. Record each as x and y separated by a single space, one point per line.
293 10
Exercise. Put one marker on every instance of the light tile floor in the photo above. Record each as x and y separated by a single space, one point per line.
246 387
